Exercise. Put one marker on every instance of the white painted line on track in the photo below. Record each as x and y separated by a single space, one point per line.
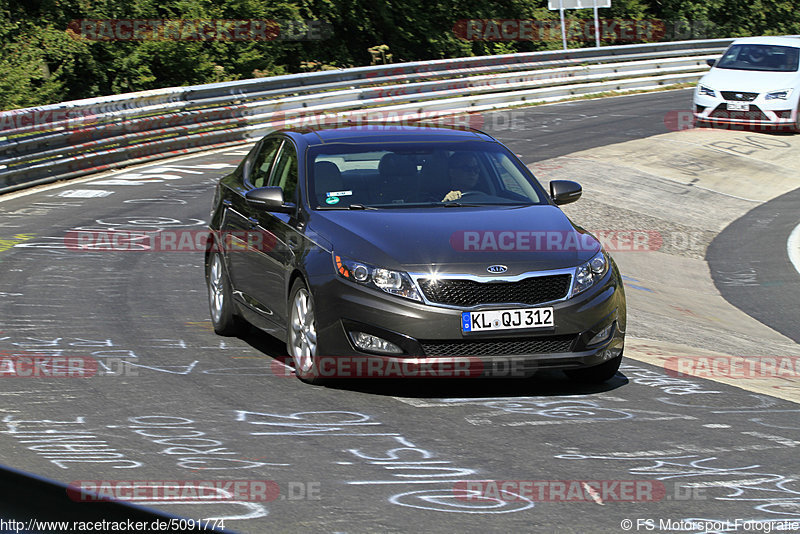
793 248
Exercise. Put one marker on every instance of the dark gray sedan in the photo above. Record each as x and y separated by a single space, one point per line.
410 252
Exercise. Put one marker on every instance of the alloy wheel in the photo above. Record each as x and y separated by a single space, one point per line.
216 293
303 342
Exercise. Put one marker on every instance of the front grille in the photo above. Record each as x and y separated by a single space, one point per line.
755 114
739 96
499 347
463 292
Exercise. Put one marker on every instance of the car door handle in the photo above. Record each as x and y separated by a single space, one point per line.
293 242
227 202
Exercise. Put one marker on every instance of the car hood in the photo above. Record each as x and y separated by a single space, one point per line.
458 240
749 80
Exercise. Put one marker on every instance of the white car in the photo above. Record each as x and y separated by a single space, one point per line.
755 82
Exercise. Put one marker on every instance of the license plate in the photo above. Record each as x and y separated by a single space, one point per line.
738 106
482 321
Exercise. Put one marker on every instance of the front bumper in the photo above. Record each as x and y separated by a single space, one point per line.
434 345
776 113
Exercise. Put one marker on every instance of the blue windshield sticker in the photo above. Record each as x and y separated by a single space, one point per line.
338 193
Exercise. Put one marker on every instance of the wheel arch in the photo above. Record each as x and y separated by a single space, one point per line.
293 277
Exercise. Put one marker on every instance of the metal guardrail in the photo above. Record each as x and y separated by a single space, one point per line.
59 141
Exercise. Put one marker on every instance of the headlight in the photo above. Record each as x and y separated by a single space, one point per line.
783 94
392 282
702 90
589 273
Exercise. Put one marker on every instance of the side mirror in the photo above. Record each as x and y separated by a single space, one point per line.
270 198
711 62
565 191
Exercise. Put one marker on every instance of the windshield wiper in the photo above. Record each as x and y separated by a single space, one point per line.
361 207
461 205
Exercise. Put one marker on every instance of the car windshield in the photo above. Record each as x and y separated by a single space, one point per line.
386 175
760 57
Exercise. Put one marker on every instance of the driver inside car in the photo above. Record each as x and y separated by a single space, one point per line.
463 171
757 55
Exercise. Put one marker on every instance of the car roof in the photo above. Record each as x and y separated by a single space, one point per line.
388 134
786 40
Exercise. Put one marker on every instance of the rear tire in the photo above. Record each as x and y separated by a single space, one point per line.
301 342
597 374
220 298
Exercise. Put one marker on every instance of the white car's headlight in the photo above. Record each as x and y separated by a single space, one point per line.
589 273
702 90
783 94
392 282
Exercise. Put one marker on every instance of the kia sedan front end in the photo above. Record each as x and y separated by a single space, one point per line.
380 251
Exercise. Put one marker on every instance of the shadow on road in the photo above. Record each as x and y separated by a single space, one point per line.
544 383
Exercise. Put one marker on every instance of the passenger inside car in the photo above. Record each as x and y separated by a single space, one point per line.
397 180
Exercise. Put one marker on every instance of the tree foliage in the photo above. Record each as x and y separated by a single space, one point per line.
44 60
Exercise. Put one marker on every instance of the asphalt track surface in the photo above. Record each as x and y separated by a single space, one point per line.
174 402
749 270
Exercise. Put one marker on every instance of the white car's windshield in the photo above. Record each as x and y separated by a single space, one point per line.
760 57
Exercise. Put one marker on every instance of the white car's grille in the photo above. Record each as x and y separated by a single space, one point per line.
739 96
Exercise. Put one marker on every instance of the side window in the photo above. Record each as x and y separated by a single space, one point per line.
285 172
259 170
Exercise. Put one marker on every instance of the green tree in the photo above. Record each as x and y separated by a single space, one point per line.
44 60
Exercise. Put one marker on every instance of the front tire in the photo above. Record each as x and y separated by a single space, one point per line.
302 339
597 374
220 298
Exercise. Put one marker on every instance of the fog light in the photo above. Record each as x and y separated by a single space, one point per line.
602 335
368 342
